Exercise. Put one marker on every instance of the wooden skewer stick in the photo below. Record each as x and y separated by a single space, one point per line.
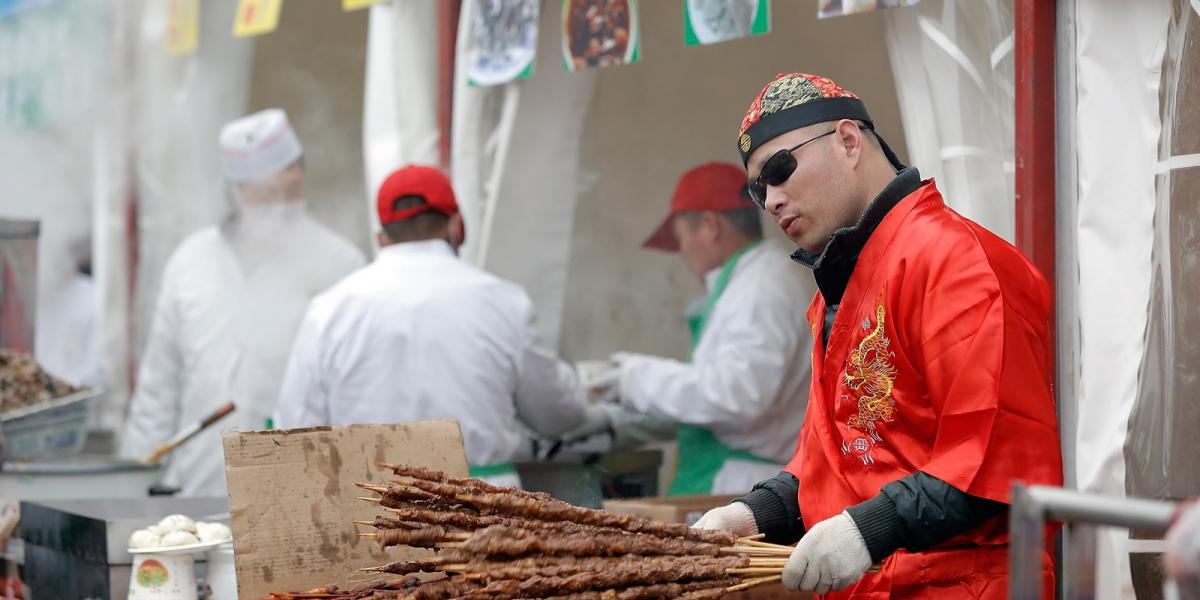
374 500
757 544
369 534
749 583
755 571
751 538
759 552
371 523
378 489
456 567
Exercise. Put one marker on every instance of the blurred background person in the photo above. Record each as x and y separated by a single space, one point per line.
231 298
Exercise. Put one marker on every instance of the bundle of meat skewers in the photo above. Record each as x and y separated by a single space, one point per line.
498 543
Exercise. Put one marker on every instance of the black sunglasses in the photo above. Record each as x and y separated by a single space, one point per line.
777 170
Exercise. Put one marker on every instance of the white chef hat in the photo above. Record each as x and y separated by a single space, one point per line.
259 145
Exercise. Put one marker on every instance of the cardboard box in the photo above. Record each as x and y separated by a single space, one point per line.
293 500
680 509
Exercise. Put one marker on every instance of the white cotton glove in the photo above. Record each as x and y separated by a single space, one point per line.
596 420
735 517
831 556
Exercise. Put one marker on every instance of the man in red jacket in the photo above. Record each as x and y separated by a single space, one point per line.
931 367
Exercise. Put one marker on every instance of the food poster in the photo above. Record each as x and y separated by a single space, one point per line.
256 17
183 26
837 8
349 5
599 33
503 41
713 21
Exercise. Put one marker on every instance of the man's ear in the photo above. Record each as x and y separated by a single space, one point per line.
458 232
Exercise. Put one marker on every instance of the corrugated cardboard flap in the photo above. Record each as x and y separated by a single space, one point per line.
293 500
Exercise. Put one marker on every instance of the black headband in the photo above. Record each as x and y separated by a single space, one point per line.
810 113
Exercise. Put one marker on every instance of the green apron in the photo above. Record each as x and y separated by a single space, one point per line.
492 470
701 455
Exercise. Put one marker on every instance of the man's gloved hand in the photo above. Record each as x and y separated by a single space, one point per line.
735 517
596 420
831 556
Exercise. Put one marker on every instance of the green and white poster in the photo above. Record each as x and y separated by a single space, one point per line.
600 33
713 21
503 41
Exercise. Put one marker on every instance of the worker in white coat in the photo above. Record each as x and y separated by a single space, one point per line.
419 334
739 402
230 301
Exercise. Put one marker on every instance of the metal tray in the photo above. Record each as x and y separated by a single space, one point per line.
49 429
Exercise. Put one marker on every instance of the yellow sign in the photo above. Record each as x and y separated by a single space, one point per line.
183 26
256 17
349 5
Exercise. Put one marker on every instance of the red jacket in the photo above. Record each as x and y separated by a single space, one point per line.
938 361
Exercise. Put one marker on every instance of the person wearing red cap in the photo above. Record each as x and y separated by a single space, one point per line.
931 371
419 334
739 402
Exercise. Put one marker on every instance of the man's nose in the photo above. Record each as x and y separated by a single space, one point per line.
775 200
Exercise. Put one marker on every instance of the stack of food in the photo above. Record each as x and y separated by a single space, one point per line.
179 530
497 543
23 383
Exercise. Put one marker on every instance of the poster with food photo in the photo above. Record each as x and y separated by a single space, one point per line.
837 8
599 33
503 41
713 21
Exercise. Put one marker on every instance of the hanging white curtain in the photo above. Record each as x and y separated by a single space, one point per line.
953 65
400 103
515 169
1118 56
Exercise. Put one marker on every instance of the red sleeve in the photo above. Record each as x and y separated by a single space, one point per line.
983 349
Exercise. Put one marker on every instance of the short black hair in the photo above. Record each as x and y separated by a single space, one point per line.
429 225
747 221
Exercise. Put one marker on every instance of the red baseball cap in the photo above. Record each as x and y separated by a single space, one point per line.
415 180
712 186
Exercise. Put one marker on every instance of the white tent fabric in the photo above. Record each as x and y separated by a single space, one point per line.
1118 126
400 102
953 66
519 207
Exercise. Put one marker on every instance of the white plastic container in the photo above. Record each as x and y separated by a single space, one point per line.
163 576
221 583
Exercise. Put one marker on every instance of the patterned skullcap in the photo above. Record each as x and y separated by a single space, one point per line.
795 100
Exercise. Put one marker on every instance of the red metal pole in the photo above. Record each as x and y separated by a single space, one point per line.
448 11
1035 185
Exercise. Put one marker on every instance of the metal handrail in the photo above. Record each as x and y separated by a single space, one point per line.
1034 505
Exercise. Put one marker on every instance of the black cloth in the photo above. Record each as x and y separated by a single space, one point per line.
916 512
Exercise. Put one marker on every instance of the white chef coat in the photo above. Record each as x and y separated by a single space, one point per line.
419 334
748 380
226 315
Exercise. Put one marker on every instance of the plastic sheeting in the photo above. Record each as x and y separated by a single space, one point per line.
519 207
1162 452
400 106
1118 55
953 66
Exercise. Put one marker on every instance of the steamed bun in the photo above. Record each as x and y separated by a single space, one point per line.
213 532
180 538
176 523
143 539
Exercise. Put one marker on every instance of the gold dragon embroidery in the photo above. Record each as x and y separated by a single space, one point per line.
870 376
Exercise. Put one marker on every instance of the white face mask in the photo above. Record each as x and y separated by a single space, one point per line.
267 219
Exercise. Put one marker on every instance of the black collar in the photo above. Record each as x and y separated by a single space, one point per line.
834 265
